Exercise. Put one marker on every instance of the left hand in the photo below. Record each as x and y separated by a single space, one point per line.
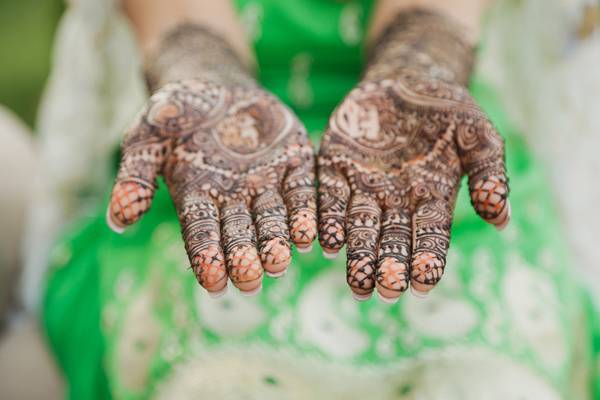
390 165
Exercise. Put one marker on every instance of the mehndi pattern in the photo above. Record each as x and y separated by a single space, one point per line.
393 156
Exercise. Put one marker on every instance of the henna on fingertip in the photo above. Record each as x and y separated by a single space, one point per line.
403 138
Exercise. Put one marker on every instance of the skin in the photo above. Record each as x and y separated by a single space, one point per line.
152 20
393 155
239 166
467 13
237 162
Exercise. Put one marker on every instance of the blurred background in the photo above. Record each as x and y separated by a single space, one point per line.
541 56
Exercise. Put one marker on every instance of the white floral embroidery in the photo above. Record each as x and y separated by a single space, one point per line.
464 374
232 315
328 315
255 374
534 305
483 280
251 18
440 316
282 324
260 373
299 89
138 341
349 24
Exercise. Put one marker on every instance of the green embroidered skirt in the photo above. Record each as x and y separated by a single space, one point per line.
126 318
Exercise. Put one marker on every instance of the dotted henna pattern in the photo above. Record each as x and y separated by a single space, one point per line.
238 165
393 155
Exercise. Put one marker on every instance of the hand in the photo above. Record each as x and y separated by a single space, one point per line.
390 166
240 170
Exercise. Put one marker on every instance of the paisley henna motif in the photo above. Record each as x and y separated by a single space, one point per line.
240 170
393 156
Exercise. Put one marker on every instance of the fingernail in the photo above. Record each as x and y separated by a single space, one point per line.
330 256
361 297
219 293
109 221
276 274
504 223
252 292
306 249
387 300
418 293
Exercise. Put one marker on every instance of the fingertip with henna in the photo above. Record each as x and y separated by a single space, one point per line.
112 224
382 294
387 295
361 297
251 292
504 218
304 249
421 294
218 293
275 257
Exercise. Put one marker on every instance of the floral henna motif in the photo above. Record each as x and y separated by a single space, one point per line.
273 233
363 232
394 253
240 170
393 156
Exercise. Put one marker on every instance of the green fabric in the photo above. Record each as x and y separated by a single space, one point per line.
127 319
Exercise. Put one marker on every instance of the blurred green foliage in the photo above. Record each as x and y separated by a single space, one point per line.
26 34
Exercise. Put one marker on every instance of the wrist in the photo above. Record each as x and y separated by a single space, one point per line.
422 43
190 51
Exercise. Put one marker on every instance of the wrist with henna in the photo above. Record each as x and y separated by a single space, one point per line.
191 51
394 153
422 43
237 162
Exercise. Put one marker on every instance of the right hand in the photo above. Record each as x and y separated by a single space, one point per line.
390 166
240 170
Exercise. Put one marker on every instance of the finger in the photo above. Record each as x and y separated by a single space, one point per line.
363 232
239 244
273 234
481 150
431 238
300 197
333 200
393 264
143 153
199 219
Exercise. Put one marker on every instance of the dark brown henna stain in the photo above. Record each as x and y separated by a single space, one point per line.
272 232
239 243
301 201
395 248
431 235
191 51
199 220
403 138
333 200
425 42
230 147
363 222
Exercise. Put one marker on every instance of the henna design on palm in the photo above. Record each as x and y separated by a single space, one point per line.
393 155
240 170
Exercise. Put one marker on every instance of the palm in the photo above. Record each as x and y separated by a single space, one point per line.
237 163
390 167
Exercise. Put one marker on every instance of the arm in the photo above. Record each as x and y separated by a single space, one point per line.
395 150
438 39
237 162
467 13
182 39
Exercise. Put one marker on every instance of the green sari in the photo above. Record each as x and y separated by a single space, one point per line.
126 318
